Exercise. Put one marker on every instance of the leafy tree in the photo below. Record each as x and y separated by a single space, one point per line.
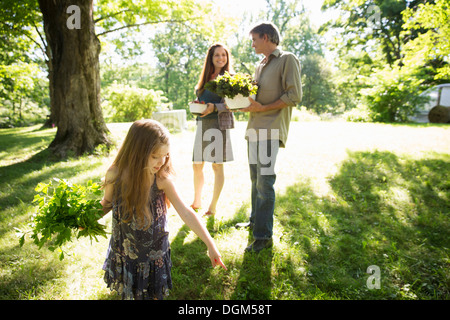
138 74
318 90
74 74
244 56
392 94
181 49
21 80
299 37
180 53
432 46
364 25
372 47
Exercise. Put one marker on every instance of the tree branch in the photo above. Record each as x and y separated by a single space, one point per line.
143 24
110 15
36 43
43 41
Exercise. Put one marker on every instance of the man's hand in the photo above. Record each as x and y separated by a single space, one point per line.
253 107
258 107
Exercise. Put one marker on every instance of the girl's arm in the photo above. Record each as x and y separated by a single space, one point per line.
191 220
106 202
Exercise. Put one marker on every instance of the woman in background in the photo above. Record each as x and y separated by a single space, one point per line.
212 124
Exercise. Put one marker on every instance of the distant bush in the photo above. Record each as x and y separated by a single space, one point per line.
303 114
26 113
125 103
393 94
359 114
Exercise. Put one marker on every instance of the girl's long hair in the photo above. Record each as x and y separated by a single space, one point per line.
134 177
208 67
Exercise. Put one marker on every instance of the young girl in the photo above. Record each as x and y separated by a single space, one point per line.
137 188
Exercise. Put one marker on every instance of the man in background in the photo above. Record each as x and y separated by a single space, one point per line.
279 80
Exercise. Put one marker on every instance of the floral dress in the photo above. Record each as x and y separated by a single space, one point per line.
138 262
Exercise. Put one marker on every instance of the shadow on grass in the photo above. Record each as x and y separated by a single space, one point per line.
191 267
14 141
26 275
384 210
194 278
255 276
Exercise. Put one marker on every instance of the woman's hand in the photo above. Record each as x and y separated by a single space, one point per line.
209 109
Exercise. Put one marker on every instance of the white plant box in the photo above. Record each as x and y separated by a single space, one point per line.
239 101
197 108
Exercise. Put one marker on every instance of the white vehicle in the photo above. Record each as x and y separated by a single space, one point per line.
438 96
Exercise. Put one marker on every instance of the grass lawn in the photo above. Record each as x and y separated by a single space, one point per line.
349 196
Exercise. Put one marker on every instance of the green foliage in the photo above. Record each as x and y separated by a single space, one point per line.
318 89
387 54
378 20
180 53
122 20
23 94
433 44
127 103
64 211
19 22
360 113
229 86
392 94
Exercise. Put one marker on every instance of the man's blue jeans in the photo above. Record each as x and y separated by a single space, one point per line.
262 157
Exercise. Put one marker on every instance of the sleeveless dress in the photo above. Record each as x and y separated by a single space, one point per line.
138 264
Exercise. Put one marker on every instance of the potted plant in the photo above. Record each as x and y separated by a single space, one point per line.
234 88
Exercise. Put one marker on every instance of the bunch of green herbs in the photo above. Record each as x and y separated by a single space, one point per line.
229 86
64 211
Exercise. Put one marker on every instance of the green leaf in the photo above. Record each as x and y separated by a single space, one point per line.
22 240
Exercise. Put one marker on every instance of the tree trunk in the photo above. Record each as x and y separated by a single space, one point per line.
74 77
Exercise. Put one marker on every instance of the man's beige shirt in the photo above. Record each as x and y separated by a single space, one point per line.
278 78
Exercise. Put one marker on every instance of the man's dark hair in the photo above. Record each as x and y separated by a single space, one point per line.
270 30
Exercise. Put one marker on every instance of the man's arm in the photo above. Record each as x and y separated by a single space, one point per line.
258 107
291 80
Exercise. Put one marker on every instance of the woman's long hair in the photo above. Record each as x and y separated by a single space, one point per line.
134 178
208 67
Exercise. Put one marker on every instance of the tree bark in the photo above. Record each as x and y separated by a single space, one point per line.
74 78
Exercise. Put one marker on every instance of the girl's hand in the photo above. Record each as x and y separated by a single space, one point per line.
216 259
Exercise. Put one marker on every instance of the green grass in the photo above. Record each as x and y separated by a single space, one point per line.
349 196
